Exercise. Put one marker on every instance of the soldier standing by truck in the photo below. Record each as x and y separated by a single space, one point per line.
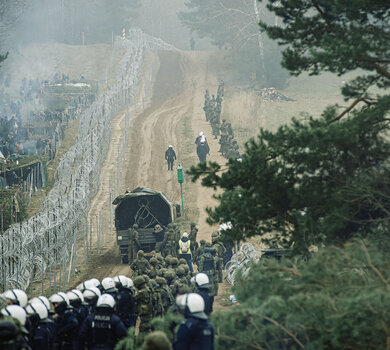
133 243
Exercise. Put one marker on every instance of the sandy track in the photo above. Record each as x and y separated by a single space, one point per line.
174 116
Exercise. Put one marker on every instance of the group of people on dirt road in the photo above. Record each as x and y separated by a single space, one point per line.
228 145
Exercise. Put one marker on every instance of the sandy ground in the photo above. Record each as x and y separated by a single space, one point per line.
173 115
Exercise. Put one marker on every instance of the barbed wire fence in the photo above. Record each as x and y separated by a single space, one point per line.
240 261
47 242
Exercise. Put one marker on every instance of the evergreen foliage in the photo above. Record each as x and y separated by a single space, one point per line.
338 299
317 180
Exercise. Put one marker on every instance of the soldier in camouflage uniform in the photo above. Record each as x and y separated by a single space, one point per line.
170 276
220 251
160 261
158 308
208 265
12 334
169 244
133 243
167 298
143 299
200 251
152 273
140 266
192 238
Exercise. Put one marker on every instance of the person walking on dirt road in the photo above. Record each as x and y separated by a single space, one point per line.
170 157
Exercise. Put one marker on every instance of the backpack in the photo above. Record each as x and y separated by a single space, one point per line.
185 246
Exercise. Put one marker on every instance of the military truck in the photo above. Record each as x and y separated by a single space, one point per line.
147 208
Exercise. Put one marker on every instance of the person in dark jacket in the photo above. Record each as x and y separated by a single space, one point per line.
170 157
196 332
66 322
203 288
102 329
40 334
126 301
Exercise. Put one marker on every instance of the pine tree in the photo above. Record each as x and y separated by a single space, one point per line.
317 181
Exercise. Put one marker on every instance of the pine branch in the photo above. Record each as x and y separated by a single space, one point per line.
277 324
352 106
253 346
371 265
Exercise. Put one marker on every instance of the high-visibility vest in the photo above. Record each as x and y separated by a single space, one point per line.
189 247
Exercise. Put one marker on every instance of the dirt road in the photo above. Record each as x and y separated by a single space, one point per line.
173 115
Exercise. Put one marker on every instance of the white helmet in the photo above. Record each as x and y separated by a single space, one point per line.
37 308
201 133
120 280
108 284
15 311
185 234
94 282
75 294
16 296
170 146
130 282
192 304
106 300
86 284
202 280
59 298
41 299
91 293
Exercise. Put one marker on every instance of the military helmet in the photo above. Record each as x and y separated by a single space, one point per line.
153 261
193 224
159 257
175 261
157 340
202 242
153 282
146 278
169 274
140 254
139 280
180 271
214 234
186 268
208 245
161 281
157 228
182 261
135 226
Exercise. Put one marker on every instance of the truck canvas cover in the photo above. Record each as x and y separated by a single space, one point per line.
143 206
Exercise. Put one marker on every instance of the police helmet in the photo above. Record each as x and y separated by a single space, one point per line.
120 281
15 311
94 282
37 309
16 296
75 294
92 293
59 298
130 282
202 280
192 304
86 284
41 299
108 284
106 300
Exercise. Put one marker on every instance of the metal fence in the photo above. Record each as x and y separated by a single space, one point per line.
47 242
240 260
